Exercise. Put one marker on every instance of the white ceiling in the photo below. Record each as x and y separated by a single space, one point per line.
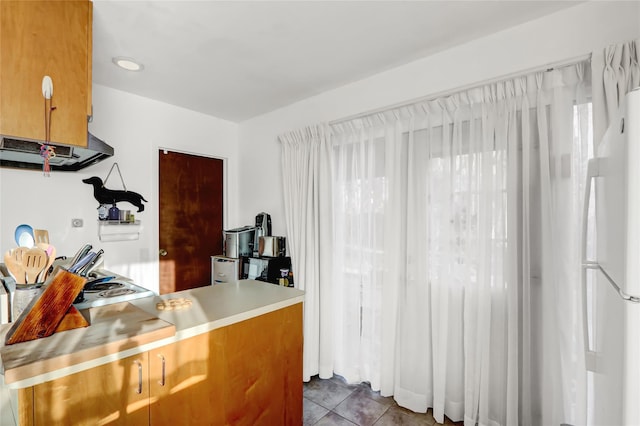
238 59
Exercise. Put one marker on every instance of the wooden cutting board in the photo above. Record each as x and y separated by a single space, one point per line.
43 314
114 328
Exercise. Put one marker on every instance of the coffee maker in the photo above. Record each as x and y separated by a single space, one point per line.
263 229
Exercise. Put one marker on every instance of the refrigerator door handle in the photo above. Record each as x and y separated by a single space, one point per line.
590 356
621 293
593 172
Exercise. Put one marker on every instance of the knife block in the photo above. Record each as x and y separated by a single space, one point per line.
72 319
45 312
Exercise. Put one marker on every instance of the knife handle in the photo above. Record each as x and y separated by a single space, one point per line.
82 262
91 265
80 254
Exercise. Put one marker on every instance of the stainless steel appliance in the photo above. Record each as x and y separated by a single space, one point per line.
271 246
103 287
263 229
116 290
25 154
239 241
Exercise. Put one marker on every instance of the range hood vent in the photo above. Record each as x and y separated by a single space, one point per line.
25 154
29 147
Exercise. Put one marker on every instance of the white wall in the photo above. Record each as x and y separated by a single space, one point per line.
567 34
136 127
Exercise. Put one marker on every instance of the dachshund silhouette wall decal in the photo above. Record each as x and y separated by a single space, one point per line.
110 196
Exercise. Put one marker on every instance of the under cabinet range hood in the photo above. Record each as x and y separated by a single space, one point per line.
24 153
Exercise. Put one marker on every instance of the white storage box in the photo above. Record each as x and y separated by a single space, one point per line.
224 269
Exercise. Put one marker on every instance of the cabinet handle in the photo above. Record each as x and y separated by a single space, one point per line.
139 390
161 381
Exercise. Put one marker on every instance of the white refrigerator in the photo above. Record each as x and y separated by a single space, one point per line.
611 278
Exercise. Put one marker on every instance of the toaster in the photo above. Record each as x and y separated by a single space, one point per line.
272 246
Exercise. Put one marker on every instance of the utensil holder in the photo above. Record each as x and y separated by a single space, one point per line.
24 293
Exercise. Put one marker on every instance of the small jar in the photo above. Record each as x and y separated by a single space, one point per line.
103 212
114 212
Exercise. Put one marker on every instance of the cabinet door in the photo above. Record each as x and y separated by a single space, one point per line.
190 390
109 394
41 38
263 358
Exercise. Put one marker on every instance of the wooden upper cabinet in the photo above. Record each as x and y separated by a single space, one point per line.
39 38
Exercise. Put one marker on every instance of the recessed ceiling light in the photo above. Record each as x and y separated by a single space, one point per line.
127 63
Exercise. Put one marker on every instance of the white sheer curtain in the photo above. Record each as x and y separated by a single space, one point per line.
616 70
438 244
306 172
456 264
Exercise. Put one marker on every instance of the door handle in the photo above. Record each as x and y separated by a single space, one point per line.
162 252
139 364
162 378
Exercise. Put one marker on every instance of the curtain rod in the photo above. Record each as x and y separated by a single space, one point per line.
547 67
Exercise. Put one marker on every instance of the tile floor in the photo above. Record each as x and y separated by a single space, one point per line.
334 402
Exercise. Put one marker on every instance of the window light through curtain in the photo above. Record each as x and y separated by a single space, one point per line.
455 273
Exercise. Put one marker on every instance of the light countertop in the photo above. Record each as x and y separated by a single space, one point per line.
212 307
221 305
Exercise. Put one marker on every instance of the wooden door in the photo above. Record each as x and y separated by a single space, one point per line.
113 393
185 384
190 219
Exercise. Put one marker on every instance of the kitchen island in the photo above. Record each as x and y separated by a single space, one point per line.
234 356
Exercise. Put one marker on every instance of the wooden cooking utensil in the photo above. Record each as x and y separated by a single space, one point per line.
51 257
41 236
45 312
13 261
34 261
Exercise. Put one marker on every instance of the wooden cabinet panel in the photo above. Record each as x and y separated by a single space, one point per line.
263 371
192 389
25 406
41 38
107 394
292 341
248 373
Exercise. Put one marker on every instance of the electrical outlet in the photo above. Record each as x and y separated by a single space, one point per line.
76 223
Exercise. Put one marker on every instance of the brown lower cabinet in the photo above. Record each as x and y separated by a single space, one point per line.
248 373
